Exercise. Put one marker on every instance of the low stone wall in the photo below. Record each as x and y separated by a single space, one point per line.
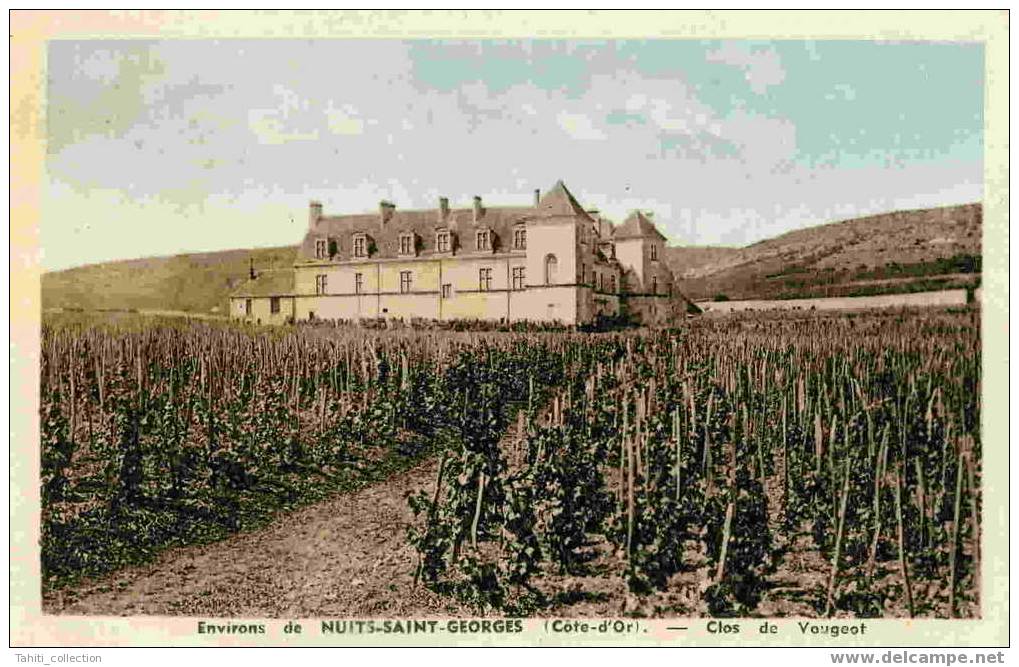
955 297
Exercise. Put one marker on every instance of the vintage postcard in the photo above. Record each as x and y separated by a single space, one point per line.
509 329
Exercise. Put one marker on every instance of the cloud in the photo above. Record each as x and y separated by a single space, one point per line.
269 125
105 97
580 126
345 121
271 130
762 67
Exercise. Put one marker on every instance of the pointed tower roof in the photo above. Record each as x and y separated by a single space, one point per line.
637 226
560 201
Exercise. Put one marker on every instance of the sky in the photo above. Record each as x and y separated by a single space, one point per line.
162 147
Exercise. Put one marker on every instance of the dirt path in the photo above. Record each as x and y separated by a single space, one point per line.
347 556
796 585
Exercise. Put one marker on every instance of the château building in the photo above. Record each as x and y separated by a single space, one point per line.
552 261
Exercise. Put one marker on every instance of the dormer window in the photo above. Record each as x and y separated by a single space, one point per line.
484 239
443 241
653 250
520 238
360 245
408 246
321 248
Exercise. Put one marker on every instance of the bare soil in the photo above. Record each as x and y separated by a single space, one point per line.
347 556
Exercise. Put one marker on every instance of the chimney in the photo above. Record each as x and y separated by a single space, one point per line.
314 213
386 210
478 209
443 209
251 268
537 197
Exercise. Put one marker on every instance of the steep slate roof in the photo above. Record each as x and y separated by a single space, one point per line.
278 282
636 226
560 201
424 223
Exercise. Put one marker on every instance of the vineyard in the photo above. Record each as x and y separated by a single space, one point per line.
789 464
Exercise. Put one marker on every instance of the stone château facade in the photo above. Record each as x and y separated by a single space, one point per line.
553 261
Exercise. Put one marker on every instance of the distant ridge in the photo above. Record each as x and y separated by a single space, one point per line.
890 251
896 246
197 282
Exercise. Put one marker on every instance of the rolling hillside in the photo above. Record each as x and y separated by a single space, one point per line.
902 251
196 283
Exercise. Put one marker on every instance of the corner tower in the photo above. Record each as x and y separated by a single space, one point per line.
640 248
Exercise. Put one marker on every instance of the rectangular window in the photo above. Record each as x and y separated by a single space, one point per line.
247 306
447 291
612 283
405 282
274 305
320 284
484 279
654 284
442 242
518 278
407 244
654 251
321 248
360 246
519 239
483 241
358 283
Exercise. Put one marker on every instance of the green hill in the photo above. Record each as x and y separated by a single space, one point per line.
196 283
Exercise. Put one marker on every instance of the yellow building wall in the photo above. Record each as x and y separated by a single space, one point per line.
547 304
336 307
554 237
261 310
381 291
476 305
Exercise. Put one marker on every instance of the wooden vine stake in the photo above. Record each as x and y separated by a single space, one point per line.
974 520
477 510
629 496
838 541
726 532
785 458
879 473
902 541
623 454
953 553
679 452
434 507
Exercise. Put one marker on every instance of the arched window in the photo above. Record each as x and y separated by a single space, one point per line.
551 266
